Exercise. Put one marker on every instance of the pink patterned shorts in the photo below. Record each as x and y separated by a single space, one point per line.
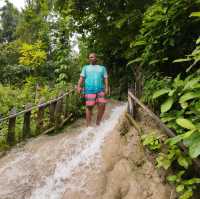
95 98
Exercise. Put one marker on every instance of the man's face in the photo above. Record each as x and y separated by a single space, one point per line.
92 58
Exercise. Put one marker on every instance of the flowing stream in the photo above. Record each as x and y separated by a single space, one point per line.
65 166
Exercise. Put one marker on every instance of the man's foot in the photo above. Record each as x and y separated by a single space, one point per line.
97 123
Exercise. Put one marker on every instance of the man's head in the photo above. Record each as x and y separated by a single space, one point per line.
92 58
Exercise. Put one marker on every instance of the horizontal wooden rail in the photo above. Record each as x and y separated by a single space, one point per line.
37 106
42 118
133 99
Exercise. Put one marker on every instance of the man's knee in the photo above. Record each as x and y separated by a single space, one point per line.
101 106
89 108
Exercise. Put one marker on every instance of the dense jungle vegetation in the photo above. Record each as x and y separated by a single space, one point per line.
154 44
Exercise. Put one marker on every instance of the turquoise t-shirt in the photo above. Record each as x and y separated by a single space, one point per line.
94 78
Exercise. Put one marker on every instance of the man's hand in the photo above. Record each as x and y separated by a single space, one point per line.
79 89
80 82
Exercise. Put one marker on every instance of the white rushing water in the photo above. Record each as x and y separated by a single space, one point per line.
76 157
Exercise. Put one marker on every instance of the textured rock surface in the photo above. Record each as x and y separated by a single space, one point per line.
133 175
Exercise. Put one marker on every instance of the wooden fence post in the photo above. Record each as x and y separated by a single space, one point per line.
130 106
67 100
26 132
58 112
52 108
40 117
11 127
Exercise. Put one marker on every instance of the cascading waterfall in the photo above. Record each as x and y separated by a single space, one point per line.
74 158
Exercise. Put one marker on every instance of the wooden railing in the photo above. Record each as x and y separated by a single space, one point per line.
55 111
134 102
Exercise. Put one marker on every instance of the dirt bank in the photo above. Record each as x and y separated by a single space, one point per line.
129 171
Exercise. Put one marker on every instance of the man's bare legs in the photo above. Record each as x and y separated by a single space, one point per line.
100 112
89 115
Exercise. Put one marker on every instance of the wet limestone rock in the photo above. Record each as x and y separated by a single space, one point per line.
130 174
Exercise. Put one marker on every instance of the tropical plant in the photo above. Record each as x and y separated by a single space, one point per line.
180 111
173 155
167 32
152 141
32 55
185 187
9 17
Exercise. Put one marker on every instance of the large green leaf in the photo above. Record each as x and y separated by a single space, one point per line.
192 83
139 59
186 194
195 14
174 140
188 141
188 96
183 161
198 41
160 92
178 82
121 22
179 188
194 149
184 105
185 123
172 178
188 134
154 62
192 181
171 93
167 118
181 60
178 138
166 106
163 161
138 43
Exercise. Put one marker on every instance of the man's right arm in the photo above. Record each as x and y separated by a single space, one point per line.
81 79
80 82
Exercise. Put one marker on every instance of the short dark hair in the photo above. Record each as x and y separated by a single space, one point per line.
92 53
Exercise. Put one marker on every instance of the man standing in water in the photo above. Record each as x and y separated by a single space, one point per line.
95 80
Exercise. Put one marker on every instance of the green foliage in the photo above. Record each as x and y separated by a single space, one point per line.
174 154
184 187
160 92
10 71
194 57
67 68
167 32
38 64
152 84
152 141
185 123
9 17
33 24
6 103
155 84
29 93
166 106
18 98
185 115
32 55
107 28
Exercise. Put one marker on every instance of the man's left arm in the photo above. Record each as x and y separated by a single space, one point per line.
106 85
